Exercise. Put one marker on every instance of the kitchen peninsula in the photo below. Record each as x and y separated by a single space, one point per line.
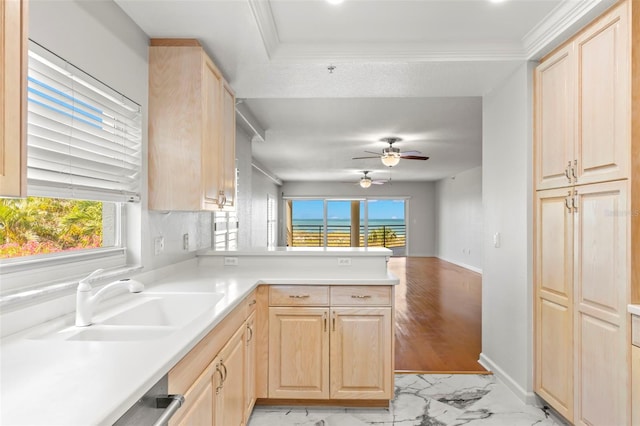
273 301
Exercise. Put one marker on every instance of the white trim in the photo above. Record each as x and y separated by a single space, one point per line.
560 24
262 169
461 264
528 398
406 52
263 15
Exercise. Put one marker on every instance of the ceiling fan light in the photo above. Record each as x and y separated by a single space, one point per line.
365 182
390 159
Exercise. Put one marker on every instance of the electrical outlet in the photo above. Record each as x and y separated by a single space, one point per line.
158 245
344 261
185 242
230 261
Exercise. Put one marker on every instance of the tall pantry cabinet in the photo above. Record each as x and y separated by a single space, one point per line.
586 193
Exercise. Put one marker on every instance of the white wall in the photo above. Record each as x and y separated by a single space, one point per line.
262 185
420 213
245 187
459 219
507 342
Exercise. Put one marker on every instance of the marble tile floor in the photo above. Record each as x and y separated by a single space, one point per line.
422 400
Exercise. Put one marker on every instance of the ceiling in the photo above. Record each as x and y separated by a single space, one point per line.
416 69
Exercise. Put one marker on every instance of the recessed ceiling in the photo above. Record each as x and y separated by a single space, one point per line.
416 69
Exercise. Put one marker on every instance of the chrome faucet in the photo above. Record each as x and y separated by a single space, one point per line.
86 300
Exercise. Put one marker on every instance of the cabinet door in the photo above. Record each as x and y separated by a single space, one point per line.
211 138
361 353
229 405
250 366
635 391
298 353
554 120
200 412
13 99
198 401
604 100
554 299
600 290
228 147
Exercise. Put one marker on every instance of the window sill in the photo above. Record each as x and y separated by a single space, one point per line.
35 278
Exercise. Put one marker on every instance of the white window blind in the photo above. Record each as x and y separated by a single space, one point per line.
84 138
271 220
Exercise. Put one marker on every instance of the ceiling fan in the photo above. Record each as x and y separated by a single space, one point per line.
391 156
366 181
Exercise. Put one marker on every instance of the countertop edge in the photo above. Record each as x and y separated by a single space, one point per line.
634 309
176 348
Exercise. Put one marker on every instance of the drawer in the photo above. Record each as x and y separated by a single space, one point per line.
361 295
299 295
635 330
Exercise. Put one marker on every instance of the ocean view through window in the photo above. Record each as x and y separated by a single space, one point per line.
347 223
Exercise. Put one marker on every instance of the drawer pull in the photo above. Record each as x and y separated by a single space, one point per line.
253 302
357 296
299 296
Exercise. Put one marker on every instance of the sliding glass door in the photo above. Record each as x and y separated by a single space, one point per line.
347 223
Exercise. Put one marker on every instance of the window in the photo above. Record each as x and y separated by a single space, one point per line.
272 220
83 161
225 230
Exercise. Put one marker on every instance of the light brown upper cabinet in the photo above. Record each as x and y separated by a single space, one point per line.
191 129
583 107
13 98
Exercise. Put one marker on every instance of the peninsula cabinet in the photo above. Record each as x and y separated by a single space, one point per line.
585 255
583 106
191 129
331 342
13 98
216 377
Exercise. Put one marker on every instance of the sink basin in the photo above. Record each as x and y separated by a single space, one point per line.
169 309
142 316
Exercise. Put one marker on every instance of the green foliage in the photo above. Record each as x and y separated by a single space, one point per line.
381 236
36 225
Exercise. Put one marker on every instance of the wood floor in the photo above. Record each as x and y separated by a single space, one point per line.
438 316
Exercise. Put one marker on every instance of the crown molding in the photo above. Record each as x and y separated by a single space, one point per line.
403 52
560 24
263 15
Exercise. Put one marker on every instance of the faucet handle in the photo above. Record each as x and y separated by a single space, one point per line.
84 285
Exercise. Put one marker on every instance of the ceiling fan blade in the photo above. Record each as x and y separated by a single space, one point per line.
405 153
362 158
378 182
375 153
415 157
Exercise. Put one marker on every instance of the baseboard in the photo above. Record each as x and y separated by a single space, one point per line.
528 398
462 265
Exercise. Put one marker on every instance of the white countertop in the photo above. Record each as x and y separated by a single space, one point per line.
50 382
634 309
